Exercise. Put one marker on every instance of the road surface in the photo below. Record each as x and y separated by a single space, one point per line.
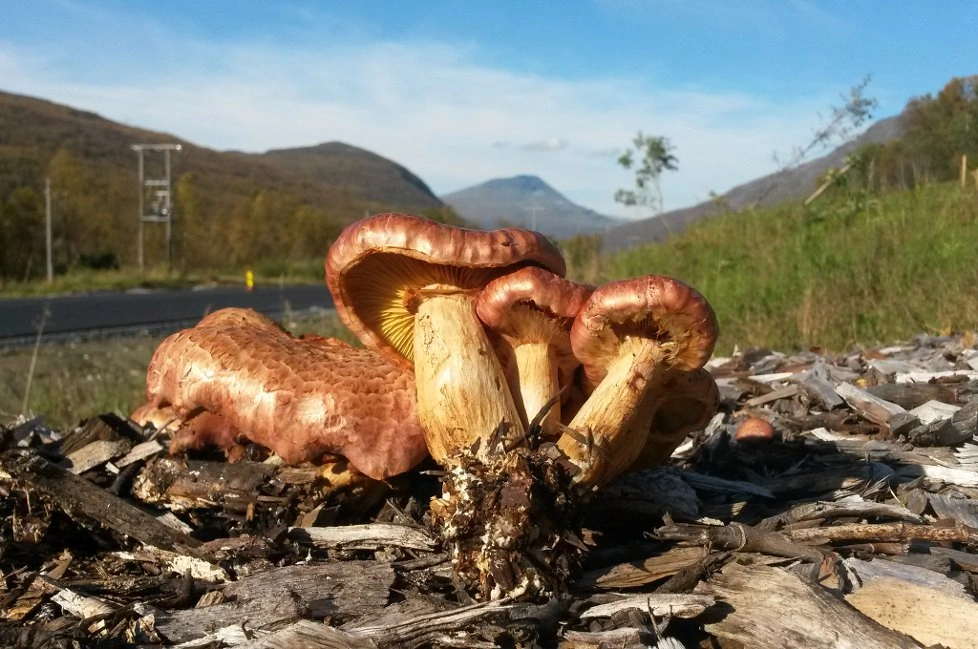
135 311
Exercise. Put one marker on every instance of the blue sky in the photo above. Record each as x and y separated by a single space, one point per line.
462 92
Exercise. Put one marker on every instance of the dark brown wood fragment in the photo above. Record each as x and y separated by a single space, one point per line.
83 500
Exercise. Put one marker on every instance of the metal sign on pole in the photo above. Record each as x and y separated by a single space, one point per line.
162 205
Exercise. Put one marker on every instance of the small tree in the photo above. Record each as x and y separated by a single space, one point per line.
656 157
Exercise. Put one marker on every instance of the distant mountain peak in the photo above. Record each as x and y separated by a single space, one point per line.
526 201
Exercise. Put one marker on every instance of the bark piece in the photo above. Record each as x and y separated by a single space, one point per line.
639 573
760 596
365 537
886 414
82 499
870 571
95 454
306 634
340 591
655 604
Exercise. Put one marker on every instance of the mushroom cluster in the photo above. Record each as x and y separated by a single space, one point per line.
500 344
528 389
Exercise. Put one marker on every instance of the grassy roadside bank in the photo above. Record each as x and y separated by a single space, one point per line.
851 271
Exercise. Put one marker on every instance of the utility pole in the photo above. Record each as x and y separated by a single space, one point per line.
47 227
162 205
533 216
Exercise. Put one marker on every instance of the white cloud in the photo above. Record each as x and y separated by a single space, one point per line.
432 108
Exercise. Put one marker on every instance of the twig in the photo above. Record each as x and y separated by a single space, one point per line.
889 532
30 370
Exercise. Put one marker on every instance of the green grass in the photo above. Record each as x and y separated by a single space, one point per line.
850 272
75 380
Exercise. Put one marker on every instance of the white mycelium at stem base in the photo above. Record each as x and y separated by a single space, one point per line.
608 433
462 391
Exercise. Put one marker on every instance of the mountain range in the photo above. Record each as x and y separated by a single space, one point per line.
343 182
526 201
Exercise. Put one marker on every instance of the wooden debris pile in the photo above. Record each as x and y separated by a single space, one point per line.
855 525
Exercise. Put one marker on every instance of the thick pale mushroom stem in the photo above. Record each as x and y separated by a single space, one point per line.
537 370
609 432
463 397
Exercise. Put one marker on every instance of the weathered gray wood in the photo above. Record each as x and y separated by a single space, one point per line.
869 571
87 502
774 395
365 537
879 411
95 454
820 510
340 590
306 634
418 622
912 395
961 510
816 383
774 608
961 426
140 452
621 638
964 560
656 604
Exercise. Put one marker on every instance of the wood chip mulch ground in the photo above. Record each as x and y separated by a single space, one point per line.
855 526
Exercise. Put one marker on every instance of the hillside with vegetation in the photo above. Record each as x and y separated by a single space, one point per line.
231 208
888 251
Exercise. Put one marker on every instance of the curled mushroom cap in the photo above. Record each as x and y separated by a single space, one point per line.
300 398
686 403
531 312
628 337
406 286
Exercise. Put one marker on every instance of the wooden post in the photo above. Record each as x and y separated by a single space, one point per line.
964 169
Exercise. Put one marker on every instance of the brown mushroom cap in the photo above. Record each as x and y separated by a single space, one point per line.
629 336
653 306
534 305
377 267
299 397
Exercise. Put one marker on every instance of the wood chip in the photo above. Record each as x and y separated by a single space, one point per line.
656 604
365 537
931 617
760 596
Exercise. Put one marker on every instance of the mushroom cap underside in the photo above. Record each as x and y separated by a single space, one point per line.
379 268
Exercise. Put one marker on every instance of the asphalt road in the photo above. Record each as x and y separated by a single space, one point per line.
135 311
